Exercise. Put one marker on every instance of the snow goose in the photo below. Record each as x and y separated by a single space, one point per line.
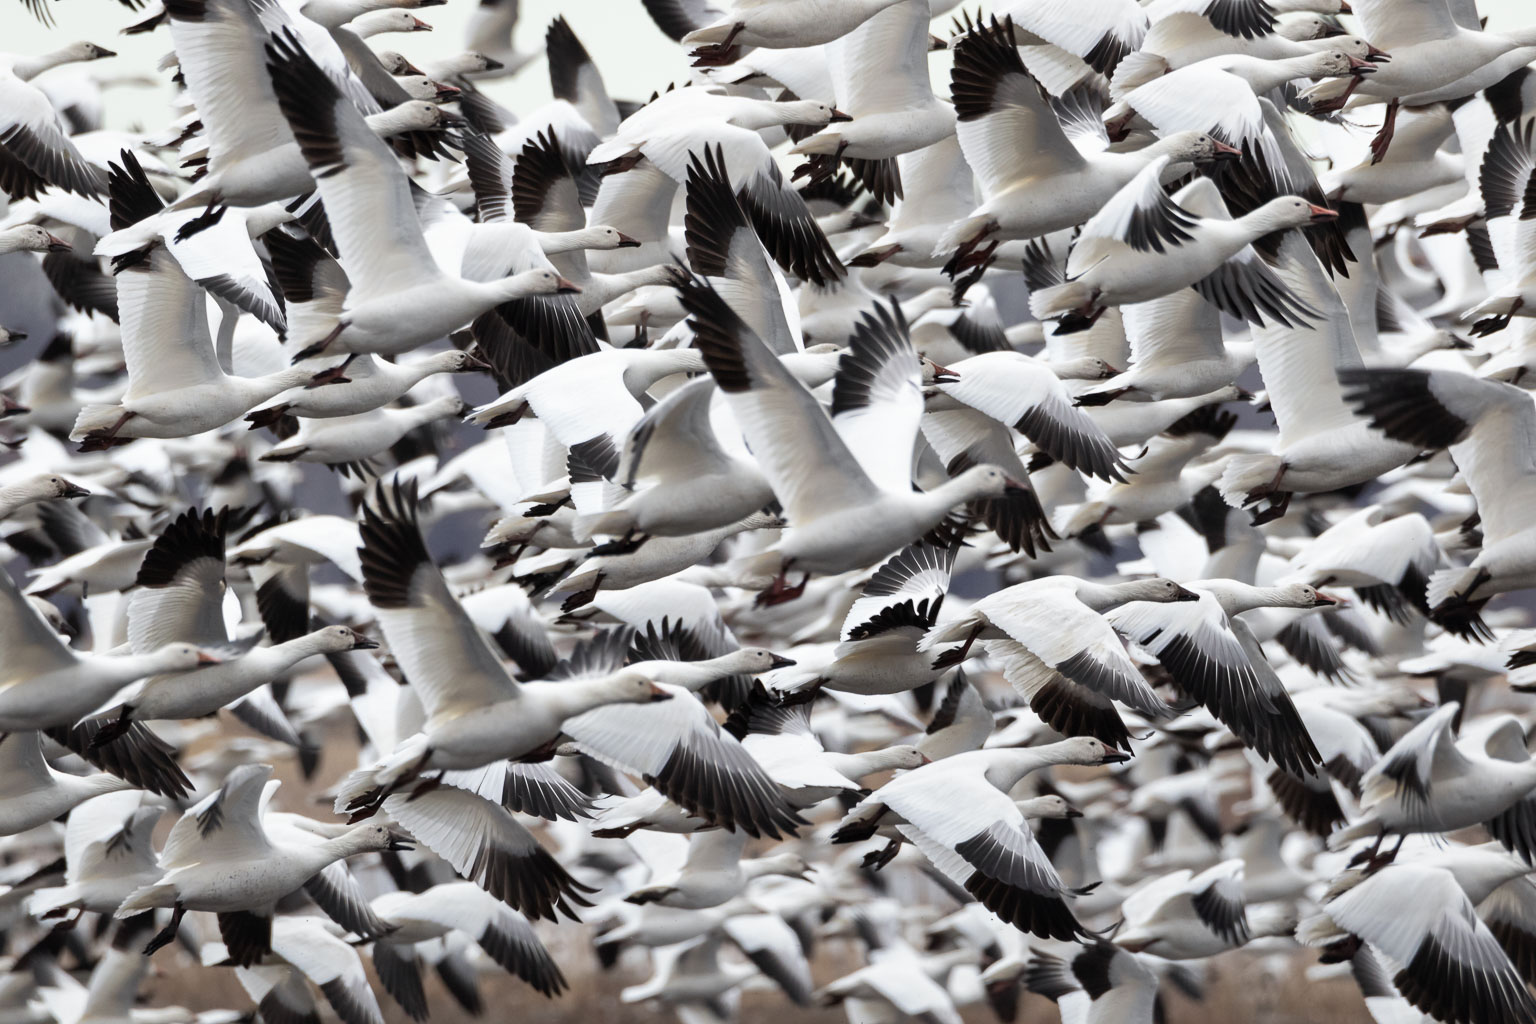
1427 782
896 981
1213 656
219 858
108 853
1322 445
1007 125
625 565
715 873
1026 394
1121 256
832 502
692 975
1486 425
40 668
685 475
45 487
1449 964
958 814
416 917
489 30
484 843
1385 560
1187 31
665 135
880 71
176 386
942 191
1101 32
678 748
723 245
1347 751
374 23
302 950
1503 178
1416 164
782 741
35 150
349 443
1185 916
370 383
1434 58
34 792
212 246
178 598
789 23
1167 475
1059 652
1177 351
205 691
366 194
876 652
525 336
562 397
279 557
1171 101
28 66
475 712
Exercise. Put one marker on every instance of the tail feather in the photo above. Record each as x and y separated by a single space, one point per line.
948 633
94 417
1448 584
146 897
958 233
1352 833
1056 300
1245 477
612 523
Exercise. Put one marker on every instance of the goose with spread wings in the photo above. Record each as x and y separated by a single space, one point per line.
399 298
475 712
1144 244
1489 427
1035 179
845 479
1060 653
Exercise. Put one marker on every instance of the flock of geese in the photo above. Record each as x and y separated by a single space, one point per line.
1028 518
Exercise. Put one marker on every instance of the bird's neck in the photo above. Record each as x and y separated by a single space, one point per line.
555 242
26 68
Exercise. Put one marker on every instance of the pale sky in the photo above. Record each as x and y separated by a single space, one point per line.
635 58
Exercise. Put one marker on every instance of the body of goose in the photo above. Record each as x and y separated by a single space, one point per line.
1059 652
982 843
715 872
475 712
342 441
225 863
35 793
1427 782
1484 424
839 515
1121 255
50 685
205 691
